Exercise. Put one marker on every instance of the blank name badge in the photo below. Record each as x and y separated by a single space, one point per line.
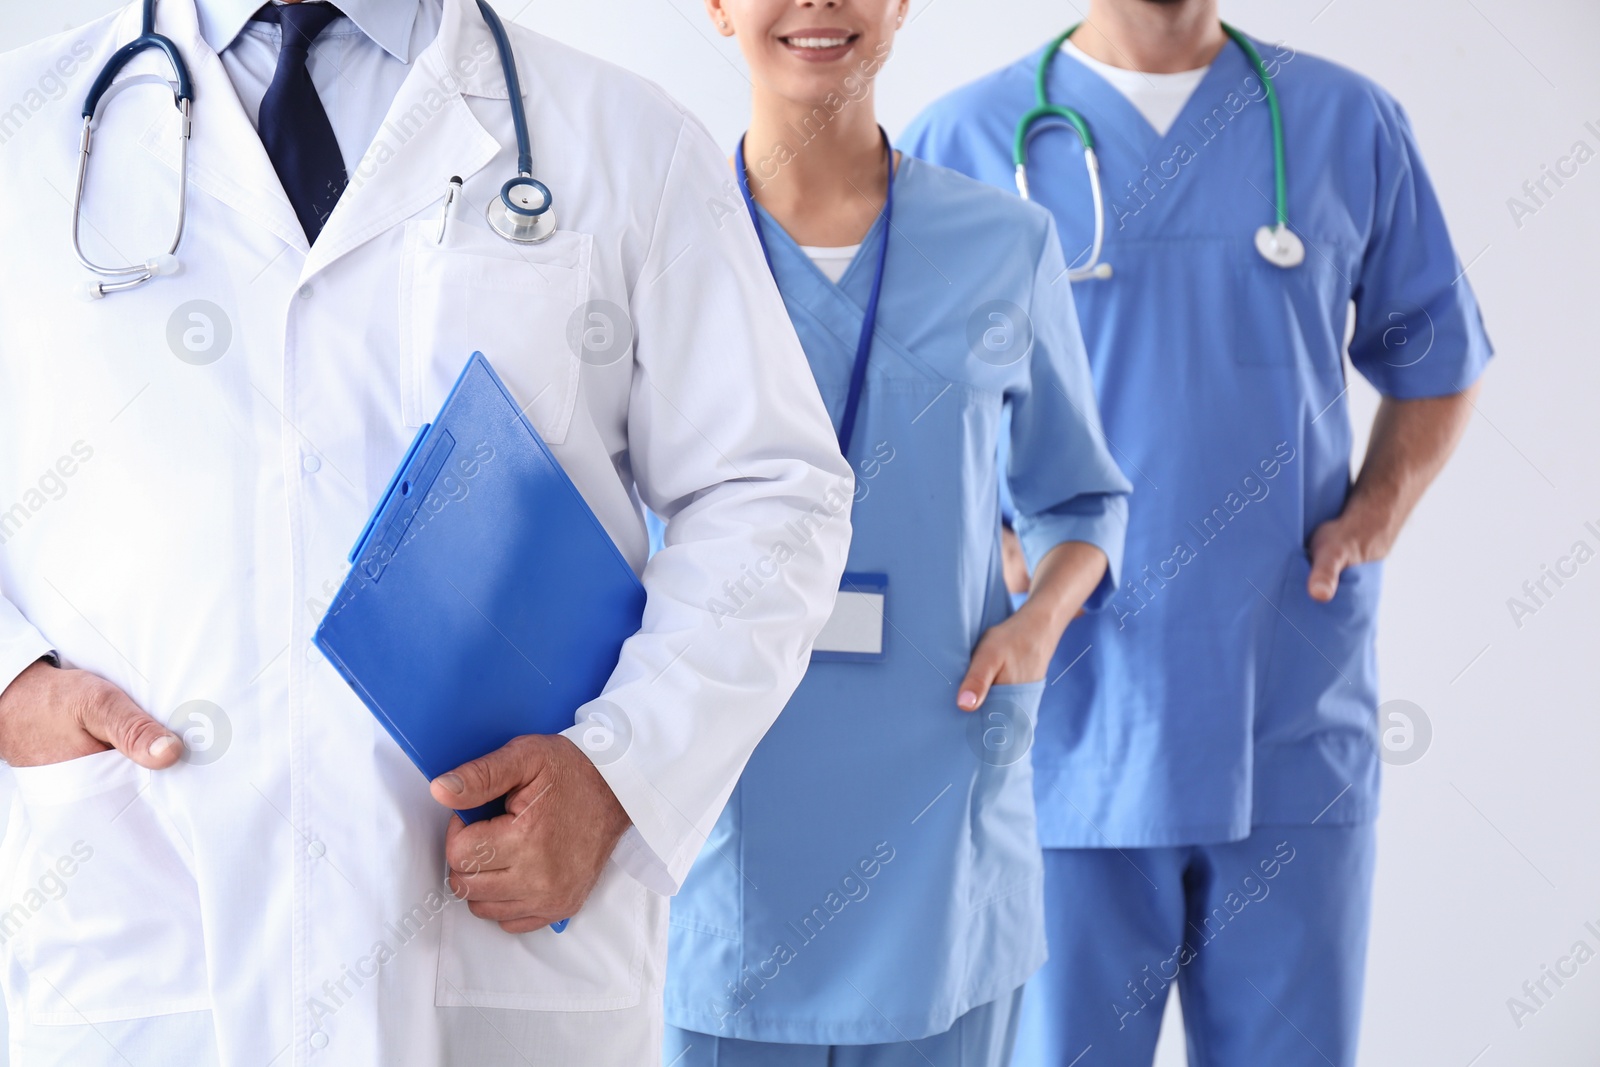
854 632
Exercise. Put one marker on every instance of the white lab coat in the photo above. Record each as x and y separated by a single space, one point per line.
176 514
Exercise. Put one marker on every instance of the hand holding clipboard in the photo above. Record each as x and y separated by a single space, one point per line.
485 604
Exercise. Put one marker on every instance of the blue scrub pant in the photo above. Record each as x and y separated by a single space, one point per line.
983 1037
1266 939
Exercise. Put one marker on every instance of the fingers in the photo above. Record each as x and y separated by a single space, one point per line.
506 911
109 715
526 873
1327 562
487 886
491 777
502 895
981 674
471 849
520 800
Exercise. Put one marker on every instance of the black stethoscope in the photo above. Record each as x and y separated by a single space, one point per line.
523 212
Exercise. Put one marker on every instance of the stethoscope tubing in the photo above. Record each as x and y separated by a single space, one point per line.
1044 109
121 279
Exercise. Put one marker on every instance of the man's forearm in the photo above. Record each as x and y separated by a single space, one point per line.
1411 441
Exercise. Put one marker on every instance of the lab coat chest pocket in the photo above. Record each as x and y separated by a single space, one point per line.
104 914
596 964
479 293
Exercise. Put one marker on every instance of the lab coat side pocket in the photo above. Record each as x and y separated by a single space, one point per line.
596 964
515 304
102 915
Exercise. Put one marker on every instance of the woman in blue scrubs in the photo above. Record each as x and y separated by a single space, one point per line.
872 892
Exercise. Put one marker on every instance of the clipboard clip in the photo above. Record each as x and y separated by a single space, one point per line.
394 515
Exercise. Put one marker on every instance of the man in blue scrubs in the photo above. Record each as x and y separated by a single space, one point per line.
1206 756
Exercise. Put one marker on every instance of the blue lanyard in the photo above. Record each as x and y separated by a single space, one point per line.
858 372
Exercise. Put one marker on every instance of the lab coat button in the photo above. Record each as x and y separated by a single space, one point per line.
319 1040
312 464
315 851
305 292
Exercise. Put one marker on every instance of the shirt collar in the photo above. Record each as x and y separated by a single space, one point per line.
387 22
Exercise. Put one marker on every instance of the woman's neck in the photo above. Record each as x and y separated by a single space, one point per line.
818 172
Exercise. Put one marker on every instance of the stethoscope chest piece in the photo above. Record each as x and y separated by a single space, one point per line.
1280 246
524 211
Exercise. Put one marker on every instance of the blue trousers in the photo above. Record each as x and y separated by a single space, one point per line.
1266 939
983 1037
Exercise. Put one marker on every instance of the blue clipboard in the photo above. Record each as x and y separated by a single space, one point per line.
485 600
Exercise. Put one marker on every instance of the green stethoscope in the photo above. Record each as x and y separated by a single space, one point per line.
1277 243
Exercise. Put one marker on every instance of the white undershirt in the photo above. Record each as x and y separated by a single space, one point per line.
832 262
1159 97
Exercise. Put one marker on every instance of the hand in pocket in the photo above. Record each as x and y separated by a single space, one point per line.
51 715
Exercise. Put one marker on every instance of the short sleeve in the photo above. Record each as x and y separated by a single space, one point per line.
1418 330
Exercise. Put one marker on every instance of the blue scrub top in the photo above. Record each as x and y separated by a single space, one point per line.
876 873
1213 693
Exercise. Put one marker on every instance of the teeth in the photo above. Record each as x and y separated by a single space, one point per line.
818 42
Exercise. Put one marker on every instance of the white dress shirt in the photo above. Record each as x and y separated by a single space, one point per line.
357 64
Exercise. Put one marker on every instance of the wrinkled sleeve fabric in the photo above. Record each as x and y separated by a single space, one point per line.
730 444
1418 330
1064 484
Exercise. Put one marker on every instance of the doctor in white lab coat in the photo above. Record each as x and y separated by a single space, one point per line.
253 873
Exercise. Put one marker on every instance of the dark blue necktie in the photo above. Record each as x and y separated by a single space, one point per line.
294 125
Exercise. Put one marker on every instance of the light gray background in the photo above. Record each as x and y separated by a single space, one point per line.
1487 865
